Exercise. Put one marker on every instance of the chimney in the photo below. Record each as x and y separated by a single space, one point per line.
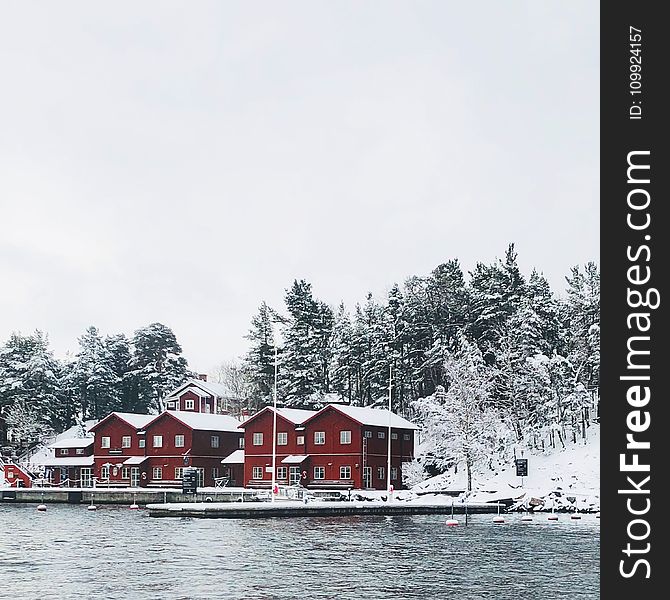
245 412
202 376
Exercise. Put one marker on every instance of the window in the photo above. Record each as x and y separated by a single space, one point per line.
141 443
281 472
294 475
179 441
189 404
345 437
367 434
257 473
64 451
215 472
125 473
80 451
345 472
282 438
178 472
158 441
170 405
406 436
319 472
104 472
300 440
104 442
394 436
380 472
157 473
319 438
214 441
207 409
241 443
125 441
258 439
394 473
381 435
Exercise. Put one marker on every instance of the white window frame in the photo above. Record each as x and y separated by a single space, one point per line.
406 437
179 473
381 435
241 443
125 472
319 473
381 473
126 441
79 451
345 436
300 440
257 472
157 441
179 440
105 441
257 438
214 441
319 438
157 473
282 438
394 436
367 434
64 451
282 473
104 472
215 473
141 443
394 473
189 404
345 472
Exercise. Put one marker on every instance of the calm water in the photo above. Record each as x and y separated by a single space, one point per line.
69 552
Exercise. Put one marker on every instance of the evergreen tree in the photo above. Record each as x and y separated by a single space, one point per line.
157 367
342 368
260 360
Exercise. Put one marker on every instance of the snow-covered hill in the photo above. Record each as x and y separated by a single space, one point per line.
566 479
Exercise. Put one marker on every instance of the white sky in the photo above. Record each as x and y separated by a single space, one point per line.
181 162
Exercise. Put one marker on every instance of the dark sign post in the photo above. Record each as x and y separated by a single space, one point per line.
521 468
189 481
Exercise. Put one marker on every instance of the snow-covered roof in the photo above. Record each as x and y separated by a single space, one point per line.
294 459
375 417
211 389
235 458
72 461
135 460
296 416
134 419
72 443
206 421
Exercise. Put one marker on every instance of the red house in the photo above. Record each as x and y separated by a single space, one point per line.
71 464
338 446
178 439
291 456
198 395
347 446
119 449
15 476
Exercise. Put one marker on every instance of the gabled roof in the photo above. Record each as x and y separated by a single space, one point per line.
210 389
72 443
297 416
134 420
374 417
202 421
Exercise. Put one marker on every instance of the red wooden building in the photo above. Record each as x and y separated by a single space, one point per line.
134 450
71 464
198 395
13 475
338 446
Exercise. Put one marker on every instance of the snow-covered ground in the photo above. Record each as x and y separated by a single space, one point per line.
566 479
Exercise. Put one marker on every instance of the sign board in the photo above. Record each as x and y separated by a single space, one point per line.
521 467
189 481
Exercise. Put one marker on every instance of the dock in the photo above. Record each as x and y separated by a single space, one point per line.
254 510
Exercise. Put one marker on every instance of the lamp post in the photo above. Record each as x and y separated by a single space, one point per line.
388 462
274 431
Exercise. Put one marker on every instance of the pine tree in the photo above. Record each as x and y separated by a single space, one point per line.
157 367
342 368
260 360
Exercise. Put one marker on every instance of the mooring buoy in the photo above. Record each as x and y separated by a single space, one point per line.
134 507
41 507
498 519
526 518
452 523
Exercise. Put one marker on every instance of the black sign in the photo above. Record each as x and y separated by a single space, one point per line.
189 481
521 467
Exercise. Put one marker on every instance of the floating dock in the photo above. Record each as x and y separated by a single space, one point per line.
246 510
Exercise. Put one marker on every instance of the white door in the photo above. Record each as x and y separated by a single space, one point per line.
86 477
294 475
367 477
134 477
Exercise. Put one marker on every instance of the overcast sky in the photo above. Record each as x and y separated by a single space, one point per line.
181 162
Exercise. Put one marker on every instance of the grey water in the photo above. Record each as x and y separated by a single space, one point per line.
69 552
